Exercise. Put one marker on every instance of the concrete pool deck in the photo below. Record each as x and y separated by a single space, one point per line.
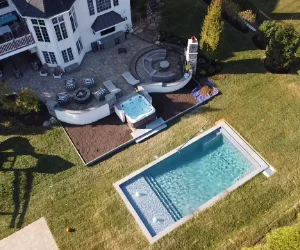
259 165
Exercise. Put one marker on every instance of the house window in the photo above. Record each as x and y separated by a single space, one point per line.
3 4
103 5
60 28
107 31
79 45
49 57
40 30
91 7
67 55
116 3
73 19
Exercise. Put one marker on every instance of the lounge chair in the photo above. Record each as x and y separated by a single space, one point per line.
100 94
130 79
112 88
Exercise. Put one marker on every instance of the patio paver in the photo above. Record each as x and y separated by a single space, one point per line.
35 236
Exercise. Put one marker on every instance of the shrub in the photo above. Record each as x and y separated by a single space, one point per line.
248 15
284 238
23 103
267 30
212 30
27 102
231 9
281 51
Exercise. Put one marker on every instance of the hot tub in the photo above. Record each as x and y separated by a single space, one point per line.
138 111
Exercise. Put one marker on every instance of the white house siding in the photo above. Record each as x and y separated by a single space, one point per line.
8 9
83 30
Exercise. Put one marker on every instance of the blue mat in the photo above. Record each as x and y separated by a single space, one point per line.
200 98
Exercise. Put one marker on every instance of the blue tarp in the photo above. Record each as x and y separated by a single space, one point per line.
7 18
200 98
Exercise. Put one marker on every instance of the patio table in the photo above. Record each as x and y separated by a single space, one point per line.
164 64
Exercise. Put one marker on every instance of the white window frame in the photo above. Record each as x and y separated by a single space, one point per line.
79 45
49 57
73 19
91 7
67 55
103 5
40 30
60 28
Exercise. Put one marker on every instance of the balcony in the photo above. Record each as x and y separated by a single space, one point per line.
20 40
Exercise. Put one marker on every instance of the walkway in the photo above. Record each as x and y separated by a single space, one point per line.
35 236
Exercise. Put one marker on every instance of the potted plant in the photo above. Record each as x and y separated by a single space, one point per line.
188 68
128 31
44 70
57 72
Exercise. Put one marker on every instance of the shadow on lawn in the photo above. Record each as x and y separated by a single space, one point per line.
50 164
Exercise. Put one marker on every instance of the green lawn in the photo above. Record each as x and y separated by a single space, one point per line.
264 108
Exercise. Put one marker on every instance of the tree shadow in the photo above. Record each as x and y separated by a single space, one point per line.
13 148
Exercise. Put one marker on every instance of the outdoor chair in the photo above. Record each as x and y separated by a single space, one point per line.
57 72
130 79
89 82
112 88
70 84
62 98
44 70
100 94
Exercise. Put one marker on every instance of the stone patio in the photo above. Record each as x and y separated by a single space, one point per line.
35 236
102 66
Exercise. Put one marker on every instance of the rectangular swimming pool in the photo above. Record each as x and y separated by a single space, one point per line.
169 191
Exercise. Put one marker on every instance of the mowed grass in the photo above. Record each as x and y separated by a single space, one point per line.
287 10
264 108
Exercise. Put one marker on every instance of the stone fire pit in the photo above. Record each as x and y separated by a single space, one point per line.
82 95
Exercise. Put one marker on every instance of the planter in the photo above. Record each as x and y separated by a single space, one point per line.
43 73
277 71
258 44
57 76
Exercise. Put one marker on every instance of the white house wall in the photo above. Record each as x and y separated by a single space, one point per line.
83 30
8 9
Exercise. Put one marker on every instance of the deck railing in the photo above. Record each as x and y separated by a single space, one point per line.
16 43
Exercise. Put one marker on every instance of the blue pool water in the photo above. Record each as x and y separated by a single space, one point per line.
180 184
136 107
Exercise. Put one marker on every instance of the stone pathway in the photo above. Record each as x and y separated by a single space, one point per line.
35 236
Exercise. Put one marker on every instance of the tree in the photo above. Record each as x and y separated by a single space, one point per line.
267 30
210 37
284 238
281 51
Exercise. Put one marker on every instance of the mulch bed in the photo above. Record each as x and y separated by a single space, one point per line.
169 105
98 138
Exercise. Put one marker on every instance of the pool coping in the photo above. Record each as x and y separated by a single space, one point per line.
258 162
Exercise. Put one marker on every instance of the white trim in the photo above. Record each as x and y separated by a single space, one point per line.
240 143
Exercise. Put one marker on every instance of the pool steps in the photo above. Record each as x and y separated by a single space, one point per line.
151 129
163 197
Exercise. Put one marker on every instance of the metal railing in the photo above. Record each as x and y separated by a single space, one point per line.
16 43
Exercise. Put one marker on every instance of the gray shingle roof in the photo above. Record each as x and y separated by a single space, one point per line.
107 20
42 8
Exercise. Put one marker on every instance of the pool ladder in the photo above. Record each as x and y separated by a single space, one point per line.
167 203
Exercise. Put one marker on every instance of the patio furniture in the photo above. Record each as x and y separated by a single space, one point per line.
70 84
57 72
164 64
82 95
100 94
130 79
15 27
89 82
112 88
62 98
44 70
122 50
